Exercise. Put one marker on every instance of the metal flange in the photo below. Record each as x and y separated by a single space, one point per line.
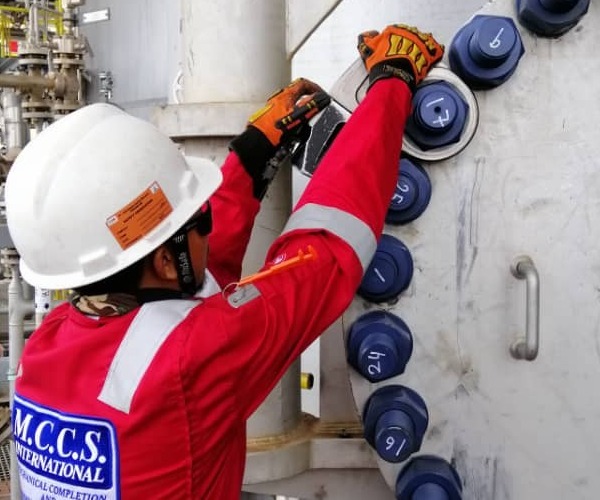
444 74
351 87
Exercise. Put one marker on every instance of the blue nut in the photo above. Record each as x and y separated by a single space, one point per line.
389 273
428 478
439 116
395 419
551 18
486 51
412 194
379 345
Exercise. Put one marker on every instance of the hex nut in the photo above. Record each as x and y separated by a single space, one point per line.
536 18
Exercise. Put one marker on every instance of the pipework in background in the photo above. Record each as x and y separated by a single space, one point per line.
45 82
48 49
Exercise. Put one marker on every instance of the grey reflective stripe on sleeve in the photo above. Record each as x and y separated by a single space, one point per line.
146 334
348 227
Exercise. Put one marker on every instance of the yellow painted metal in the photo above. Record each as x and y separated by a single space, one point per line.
9 18
14 19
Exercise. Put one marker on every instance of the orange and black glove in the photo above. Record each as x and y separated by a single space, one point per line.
399 51
289 108
276 124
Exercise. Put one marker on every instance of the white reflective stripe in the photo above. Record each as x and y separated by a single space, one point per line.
209 287
348 227
146 334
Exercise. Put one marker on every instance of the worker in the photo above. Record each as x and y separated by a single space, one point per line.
140 386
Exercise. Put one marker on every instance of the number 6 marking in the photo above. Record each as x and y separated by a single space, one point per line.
496 42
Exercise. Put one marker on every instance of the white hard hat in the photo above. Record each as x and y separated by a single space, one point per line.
95 192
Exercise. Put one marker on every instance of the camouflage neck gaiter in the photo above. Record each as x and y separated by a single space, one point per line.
110 304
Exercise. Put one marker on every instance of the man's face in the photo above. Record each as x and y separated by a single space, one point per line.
198 248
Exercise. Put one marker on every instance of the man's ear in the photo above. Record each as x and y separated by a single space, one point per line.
163 264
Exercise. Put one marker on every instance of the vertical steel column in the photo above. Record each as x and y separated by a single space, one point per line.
234 52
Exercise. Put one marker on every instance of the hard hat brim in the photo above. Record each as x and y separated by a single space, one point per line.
208 179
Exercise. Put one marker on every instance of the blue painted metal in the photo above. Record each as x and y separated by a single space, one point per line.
389 273
395 419
412 194
551 18
486 51
430 491
439 116
428 478
379 345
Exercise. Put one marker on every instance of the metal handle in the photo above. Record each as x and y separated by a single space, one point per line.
527 348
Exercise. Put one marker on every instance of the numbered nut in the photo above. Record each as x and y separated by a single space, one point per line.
428 477
412 194
389 273
551 18
379 345
395 419
486 51
438 118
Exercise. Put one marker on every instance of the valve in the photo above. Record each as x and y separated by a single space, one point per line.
389 273
551 18
428 478
395 419
439 116
106 85
412 194
379 345
486 51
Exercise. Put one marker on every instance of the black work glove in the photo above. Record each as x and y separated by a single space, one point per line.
273 126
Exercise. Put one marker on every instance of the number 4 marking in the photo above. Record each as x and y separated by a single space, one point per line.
375 368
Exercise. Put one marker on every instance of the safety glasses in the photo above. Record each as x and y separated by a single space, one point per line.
201 221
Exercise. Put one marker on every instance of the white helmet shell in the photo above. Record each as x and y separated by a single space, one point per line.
95 192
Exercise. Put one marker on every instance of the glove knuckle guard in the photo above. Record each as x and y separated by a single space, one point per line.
269 127
400 51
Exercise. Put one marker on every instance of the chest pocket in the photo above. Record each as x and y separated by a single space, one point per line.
148 331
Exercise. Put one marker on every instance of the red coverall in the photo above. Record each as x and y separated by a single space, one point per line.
153 404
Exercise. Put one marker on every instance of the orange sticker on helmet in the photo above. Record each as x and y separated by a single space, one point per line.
139 217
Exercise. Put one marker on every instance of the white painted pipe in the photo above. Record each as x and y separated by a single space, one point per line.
234 50
18 309
15 129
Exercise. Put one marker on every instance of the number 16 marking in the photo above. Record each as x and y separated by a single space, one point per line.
391 442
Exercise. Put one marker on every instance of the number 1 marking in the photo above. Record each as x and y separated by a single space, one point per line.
401 447
379 275
436 101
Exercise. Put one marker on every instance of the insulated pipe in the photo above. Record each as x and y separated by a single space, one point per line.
15 132
26 82
234 50
33 35
234 53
